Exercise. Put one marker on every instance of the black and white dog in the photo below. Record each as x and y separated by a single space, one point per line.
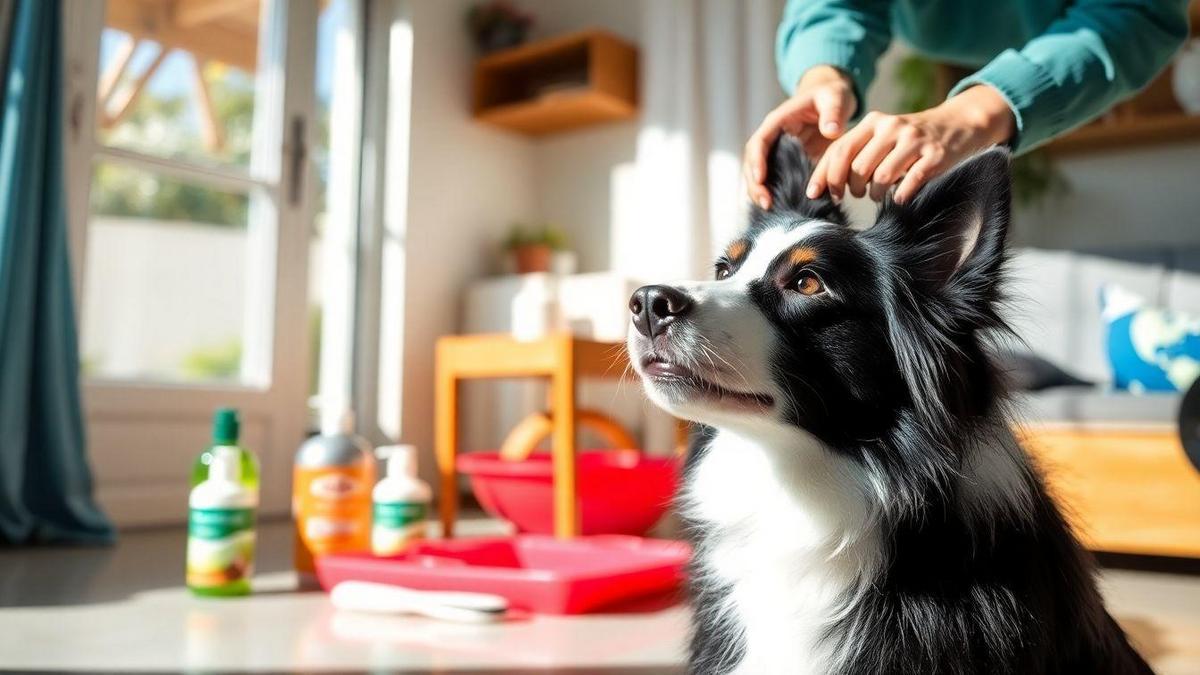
859 502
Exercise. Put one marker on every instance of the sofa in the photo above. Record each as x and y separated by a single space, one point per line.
1113 457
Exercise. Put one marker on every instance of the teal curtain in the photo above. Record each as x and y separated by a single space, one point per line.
45 483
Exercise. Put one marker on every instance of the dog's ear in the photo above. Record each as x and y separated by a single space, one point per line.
788 171
951 234
946 253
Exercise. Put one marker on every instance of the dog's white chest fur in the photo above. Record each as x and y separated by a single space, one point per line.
790 532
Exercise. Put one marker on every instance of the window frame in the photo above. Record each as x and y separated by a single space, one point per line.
281 182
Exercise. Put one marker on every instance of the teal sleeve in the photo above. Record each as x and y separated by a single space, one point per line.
1099 52
845 34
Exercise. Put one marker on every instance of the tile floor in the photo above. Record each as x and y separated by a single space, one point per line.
124 610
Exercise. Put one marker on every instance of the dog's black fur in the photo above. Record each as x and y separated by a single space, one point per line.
896 375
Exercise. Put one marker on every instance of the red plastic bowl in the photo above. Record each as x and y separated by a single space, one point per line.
620 491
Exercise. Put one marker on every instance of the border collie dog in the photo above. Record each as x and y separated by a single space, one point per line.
858 500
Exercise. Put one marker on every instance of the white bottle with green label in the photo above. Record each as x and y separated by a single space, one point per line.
220 547
400 502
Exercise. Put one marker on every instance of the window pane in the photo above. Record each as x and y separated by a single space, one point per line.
177 80
165 279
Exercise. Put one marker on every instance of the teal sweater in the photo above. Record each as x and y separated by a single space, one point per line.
1057 63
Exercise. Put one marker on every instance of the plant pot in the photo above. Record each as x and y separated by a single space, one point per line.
564 263
531 259
501 35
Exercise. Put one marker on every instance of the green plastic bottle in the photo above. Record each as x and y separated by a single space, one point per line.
221 536
226 427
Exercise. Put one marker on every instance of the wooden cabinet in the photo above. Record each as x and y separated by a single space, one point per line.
1126 490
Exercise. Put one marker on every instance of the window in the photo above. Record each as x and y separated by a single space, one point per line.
334 258
201 140
171 255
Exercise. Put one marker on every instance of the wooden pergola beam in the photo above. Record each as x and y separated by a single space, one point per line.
125 103
210 129
193 13
116 68
155 21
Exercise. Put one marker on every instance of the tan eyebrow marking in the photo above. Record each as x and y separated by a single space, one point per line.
802 255
737 249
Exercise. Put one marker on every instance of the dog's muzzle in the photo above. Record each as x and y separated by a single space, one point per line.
656 307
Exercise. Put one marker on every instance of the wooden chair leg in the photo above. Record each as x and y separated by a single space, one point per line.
566 504
446 443
682 437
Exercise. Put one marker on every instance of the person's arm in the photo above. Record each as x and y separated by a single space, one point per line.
1099 52
849 35
825 52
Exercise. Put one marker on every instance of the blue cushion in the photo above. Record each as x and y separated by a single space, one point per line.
1150 348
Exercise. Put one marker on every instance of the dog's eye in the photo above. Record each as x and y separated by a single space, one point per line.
807 283
722 271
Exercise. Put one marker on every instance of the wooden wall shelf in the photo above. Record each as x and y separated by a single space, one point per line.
1152 116
554 85
1144 130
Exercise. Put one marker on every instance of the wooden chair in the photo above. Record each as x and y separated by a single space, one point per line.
562 359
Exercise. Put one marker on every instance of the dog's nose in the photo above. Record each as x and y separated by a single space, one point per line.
655 307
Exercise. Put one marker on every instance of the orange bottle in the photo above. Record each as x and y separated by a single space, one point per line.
331 497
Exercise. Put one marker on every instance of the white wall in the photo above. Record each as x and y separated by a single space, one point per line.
553 17
467 183
577 171
155 291
1146 196
582 176
578 175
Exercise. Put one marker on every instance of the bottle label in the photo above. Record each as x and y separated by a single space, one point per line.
332 509
334 487
396 526
220 546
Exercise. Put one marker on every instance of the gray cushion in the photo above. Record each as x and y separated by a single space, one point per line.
1055 297
1082 406
1183 281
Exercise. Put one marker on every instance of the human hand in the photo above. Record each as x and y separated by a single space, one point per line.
816 114
909 150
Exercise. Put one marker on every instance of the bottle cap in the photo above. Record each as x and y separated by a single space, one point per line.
225 426
401 460
226 465
337 421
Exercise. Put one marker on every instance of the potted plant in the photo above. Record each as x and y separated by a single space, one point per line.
533 248
498 25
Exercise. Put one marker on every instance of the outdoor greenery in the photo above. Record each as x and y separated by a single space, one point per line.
165 126
216 362
521 235
124 192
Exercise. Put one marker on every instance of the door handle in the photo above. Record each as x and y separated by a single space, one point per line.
298 155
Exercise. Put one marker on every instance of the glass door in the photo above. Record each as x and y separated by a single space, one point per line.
192 197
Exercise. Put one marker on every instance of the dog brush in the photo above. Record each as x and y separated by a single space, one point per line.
365 596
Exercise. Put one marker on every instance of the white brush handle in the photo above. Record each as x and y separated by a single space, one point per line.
365 596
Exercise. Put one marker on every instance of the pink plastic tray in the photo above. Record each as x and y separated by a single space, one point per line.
534 572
